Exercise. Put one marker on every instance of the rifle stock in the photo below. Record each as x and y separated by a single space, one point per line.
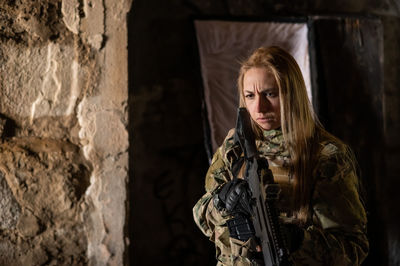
265 217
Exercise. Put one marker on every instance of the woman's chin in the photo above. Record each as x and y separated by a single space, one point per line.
269 126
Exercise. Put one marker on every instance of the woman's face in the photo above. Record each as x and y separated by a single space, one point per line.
261 95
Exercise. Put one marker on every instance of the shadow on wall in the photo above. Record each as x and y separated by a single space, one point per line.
350 80
168 161
8 127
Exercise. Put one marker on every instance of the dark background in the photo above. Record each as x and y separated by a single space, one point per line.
358 97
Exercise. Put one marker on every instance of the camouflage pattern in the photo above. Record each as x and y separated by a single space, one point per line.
336 233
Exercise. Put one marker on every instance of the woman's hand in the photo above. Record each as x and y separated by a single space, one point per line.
234 198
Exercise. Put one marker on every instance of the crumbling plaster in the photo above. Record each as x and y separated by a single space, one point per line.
64 160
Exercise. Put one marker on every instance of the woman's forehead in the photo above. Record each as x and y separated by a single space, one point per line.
259 75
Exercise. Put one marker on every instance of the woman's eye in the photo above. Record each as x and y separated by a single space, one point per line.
249 96
271 94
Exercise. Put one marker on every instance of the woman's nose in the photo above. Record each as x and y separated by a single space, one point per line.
262 104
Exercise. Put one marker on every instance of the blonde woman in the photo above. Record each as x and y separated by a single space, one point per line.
320 208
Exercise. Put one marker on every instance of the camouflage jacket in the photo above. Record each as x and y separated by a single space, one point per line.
336 234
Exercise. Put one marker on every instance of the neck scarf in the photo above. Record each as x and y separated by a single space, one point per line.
273 148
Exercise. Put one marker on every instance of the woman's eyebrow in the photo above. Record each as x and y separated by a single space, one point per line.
273 89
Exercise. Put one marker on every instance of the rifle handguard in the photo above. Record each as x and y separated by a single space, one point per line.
241 228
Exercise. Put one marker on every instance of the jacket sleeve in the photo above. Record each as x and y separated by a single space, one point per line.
205 215
337 235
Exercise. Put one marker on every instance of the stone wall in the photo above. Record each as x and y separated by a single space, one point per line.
64 148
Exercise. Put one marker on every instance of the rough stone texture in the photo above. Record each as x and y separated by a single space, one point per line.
29 22
48 179
103 119
63 114
9 208
46 78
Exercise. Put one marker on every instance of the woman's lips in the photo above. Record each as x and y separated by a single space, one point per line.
265 119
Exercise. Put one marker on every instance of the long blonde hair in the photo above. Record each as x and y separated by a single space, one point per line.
301 129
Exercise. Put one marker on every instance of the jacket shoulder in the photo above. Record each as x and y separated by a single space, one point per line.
229 150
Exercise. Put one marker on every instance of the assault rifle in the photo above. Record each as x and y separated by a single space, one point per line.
264 214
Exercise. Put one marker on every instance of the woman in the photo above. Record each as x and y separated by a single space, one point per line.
319 204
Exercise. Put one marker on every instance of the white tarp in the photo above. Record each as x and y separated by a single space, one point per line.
222 45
